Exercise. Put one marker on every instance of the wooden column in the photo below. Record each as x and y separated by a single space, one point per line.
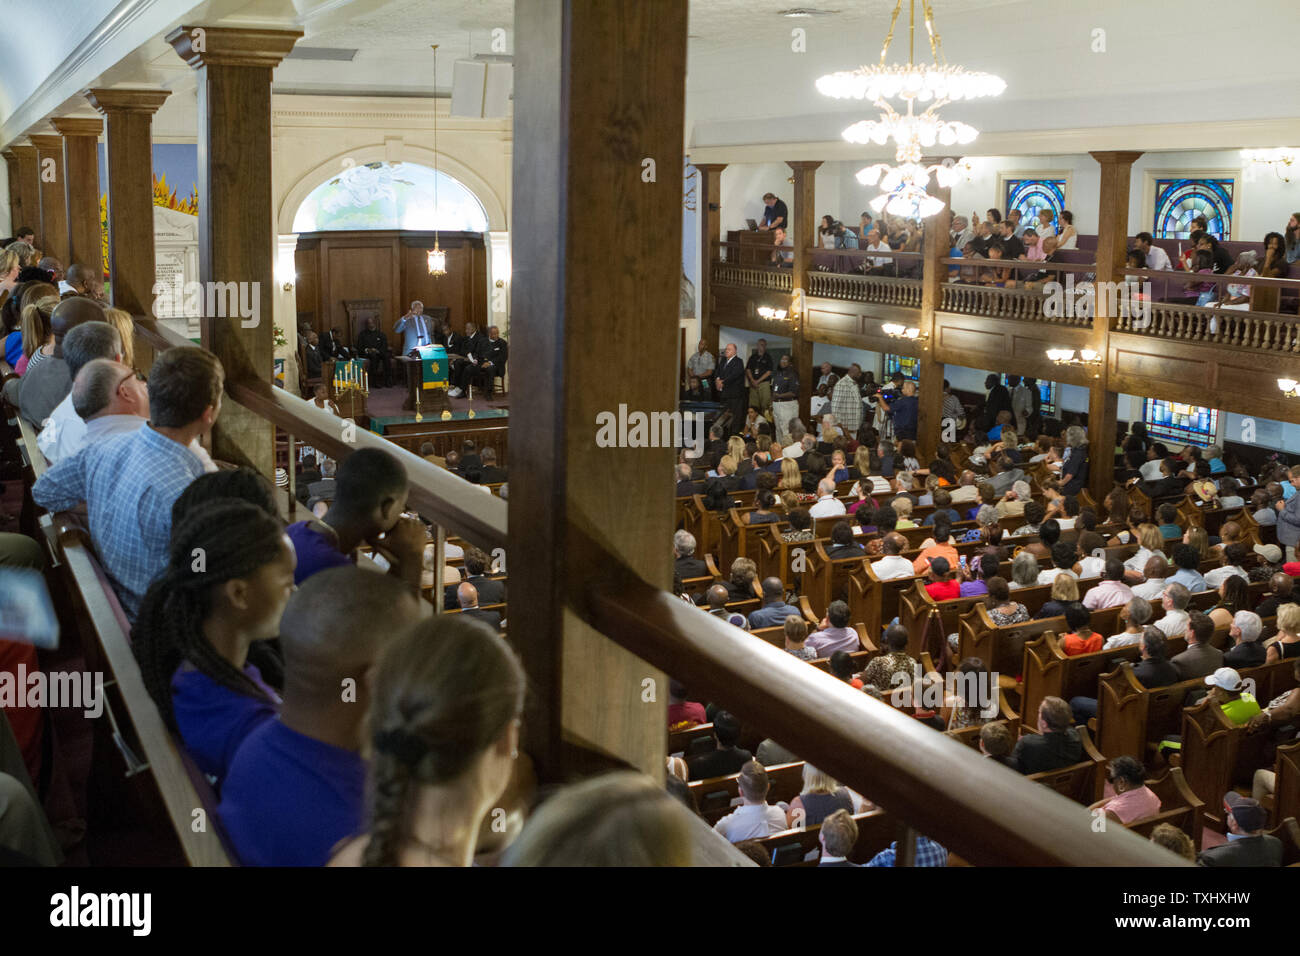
709 206
803 220
128 148
237 237
15 191
81 188
1112 246
29 185
53 230
599 90
929 425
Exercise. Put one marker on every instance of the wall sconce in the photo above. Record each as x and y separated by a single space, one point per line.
767 312
910 334
501 283
1066 357
1290 387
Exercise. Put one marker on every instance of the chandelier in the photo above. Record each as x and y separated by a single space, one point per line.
926 88
1279 159
437 259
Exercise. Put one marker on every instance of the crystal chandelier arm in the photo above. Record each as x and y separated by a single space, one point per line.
936 42
889 37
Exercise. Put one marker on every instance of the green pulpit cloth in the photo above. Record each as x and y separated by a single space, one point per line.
433 361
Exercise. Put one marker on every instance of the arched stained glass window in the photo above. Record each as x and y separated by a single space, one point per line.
390 196
1179 201
1031 195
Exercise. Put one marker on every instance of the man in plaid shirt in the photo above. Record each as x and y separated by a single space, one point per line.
928 853
846 404
130 482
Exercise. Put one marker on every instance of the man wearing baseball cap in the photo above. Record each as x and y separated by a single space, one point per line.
1247 844
1227 687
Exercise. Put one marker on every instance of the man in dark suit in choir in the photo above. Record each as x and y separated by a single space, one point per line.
331 345
473 351
1248 844
467 597
313 355
1056 744
685 486
372 344
731 385
493 360
492 475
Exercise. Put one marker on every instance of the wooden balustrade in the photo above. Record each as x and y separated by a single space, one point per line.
756 277
1266 331
883 290
1024 304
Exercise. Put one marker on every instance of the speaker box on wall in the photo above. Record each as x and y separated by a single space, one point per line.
481 89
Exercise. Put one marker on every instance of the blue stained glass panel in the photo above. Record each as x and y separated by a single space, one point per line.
1176 422
909 366
1046 396
1032 195
1179 201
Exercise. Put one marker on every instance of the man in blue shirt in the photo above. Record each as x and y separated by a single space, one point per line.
296 786
774 610
414 328
129 482
904 411
928 853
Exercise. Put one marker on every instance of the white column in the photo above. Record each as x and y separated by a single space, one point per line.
499 281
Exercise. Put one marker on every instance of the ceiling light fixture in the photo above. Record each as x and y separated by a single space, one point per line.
934 86
437 259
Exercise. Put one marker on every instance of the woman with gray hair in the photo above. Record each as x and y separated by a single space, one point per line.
1237 295
1247 651
1024 571
1074 465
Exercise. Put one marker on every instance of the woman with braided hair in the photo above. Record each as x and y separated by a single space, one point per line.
444 734
228 578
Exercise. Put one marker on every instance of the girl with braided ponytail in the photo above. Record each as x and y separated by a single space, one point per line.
443 731
228 578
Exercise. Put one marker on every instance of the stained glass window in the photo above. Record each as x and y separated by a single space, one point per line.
390 196
1046 396
1179 201
1176 422
909 366
1031 195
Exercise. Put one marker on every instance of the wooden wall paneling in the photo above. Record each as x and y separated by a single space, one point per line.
357 270
306 290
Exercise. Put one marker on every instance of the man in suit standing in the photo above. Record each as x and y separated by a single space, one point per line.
414 328
1248 844
731 385
1056 744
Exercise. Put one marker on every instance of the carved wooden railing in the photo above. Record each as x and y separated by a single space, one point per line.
754 277
882 290
1266 331
1024 304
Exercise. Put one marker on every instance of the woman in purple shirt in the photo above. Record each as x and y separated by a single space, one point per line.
228 579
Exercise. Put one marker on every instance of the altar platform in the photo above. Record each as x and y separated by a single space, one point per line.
486 427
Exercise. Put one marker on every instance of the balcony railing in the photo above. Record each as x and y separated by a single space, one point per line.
1240 329
754 277
1026 305
879 290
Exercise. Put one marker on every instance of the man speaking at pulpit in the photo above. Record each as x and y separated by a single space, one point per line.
414 328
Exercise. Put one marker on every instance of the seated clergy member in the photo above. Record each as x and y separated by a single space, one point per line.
774 610
309 757
199 619
726 758
490 590
47 384
64 432
369 499
755 818
468 602
130 481
442 741
1056 744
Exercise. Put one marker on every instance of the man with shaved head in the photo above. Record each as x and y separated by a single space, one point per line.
467 598
50 382
296 785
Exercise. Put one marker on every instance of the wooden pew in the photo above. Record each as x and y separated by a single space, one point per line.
1285 801
1179 806
1132 720
800 847
683 741
717 796
1050 672
1080 782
